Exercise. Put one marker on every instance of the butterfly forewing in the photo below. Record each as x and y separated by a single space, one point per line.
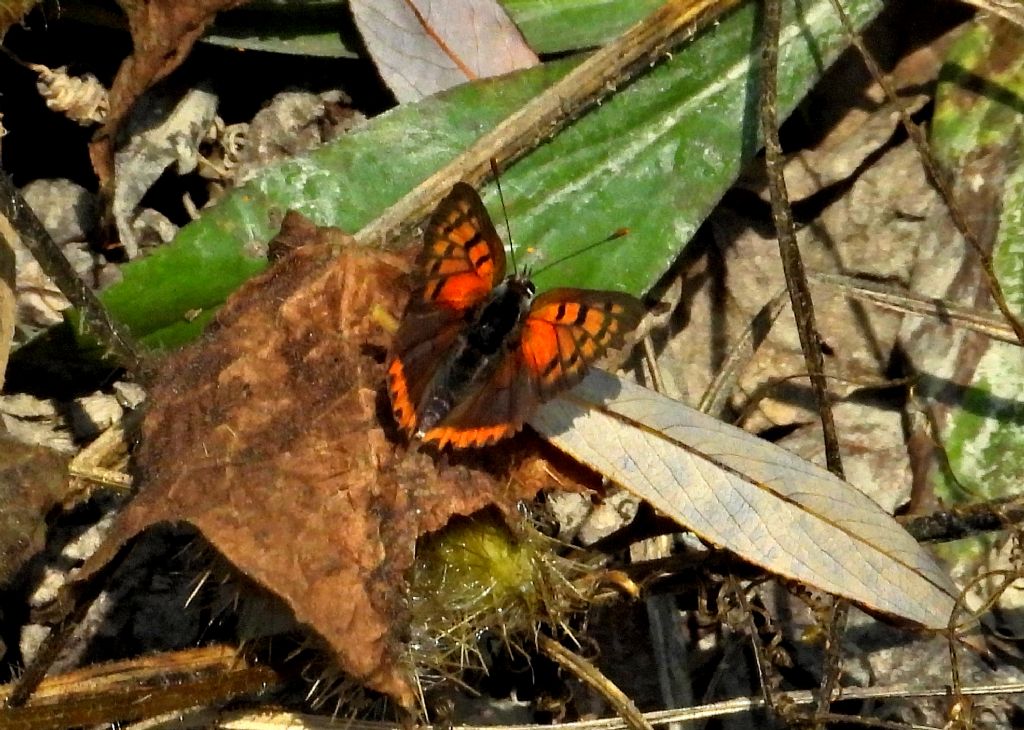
463 257
567 329
461 262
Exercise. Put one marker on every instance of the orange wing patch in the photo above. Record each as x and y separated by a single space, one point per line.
463 257
567 329
462 438
401 404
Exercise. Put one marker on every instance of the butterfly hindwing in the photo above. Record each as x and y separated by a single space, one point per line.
567 329
497 409
420 346
463 257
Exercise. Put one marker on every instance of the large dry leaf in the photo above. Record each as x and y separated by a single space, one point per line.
163 33
749 496
421 47
269 437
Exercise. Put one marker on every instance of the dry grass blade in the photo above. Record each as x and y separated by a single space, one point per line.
143 687
1011 10
7 297
597 77
591 675
888 297
246 720
717 394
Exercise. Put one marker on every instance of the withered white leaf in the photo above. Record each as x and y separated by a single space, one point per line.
421 47
749 496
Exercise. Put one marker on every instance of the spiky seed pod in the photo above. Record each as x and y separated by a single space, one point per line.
479 578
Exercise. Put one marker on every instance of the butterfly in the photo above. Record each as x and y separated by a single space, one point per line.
476 350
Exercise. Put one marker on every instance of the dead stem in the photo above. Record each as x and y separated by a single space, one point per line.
803 312
592 676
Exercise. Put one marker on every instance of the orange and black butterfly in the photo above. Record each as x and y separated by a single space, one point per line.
476 350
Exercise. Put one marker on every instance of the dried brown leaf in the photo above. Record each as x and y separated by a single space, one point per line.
267 436
31 483
163 33
421 47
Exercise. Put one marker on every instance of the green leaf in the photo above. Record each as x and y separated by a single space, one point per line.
569 25
654 158
324 27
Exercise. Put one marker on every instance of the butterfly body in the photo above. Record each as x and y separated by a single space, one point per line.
492 332
476 350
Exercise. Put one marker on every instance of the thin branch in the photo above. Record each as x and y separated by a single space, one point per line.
591 675
803 312
966 520
782 215
111 335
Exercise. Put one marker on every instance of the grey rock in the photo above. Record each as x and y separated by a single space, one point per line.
67 210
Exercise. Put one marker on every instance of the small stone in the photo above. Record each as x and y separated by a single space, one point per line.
129 395
68 211
152 228
93 414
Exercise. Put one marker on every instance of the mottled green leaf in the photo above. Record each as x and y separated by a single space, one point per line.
979 114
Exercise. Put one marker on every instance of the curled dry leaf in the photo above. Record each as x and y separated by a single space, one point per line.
421 47
11 12
168 132
267 436
749 496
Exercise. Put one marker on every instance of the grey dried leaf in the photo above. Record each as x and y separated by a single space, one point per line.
749 496
422 47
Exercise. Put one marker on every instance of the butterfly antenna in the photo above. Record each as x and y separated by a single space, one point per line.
504 213
611 237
